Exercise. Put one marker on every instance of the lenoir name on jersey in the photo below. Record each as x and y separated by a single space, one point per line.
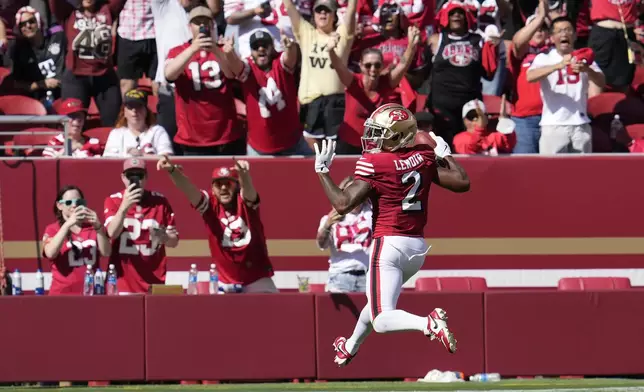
409 163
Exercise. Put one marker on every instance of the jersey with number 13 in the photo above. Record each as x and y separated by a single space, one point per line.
204 102
400 183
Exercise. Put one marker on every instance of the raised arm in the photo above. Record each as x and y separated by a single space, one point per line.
451 177
232 60
215 6
179 179
61 9
350 17
248 191
289 55
293 14
345 75
115 7
413 37
522 37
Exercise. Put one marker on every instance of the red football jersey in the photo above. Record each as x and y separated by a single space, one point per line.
400 183
68 268
139 259
91 148
89 42
359 107
271 106
204 102
237 241
609 9
527 96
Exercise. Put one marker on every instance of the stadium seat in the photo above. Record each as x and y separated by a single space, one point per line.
601 140
604 103
101 133
153 101
145 84
638 82
456 283
4 72
493 105
18 104
317 287
593 283
27 138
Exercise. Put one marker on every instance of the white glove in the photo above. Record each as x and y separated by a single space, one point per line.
324 156
442 149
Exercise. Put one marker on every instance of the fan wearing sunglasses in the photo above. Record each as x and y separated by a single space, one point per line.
368 90
76 239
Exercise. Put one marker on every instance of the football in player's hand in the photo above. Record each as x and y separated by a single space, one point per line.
423 137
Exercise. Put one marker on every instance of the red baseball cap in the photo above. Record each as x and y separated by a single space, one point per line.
68 106
224 172
134 163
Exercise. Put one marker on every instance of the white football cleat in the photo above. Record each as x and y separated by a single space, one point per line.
342 356
437 329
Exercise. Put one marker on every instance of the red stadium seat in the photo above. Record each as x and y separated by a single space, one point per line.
18 104
317 287
101 133
4 72
638 82
457 283
594 283
493 105
601 140
145 84
604 103
153 101
27 138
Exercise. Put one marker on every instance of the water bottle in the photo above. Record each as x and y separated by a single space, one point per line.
615 126
213 285
192 280
88 283
17 283
486 377
40 283
111 281
49 102
99 282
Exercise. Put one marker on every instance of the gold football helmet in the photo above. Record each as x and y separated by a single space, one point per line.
389 128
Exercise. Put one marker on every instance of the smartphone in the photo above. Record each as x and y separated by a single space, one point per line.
136 180
205 30
267 7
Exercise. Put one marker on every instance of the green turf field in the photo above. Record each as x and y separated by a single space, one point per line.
515 385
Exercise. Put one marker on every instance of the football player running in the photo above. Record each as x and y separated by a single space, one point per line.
396 177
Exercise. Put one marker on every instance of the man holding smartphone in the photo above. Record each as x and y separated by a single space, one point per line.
204 101
140 224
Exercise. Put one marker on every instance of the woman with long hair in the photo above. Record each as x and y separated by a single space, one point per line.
73 241
368 90
89 69
136 132
348 237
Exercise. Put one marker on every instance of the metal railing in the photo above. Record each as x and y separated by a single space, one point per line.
28 119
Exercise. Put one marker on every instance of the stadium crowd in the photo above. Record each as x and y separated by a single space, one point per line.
196 77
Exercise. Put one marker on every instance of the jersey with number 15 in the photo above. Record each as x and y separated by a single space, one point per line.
204 102
400 183
140 260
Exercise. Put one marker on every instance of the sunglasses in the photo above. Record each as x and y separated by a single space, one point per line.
372 65
322 9
74 202
261 44
28 21
221 182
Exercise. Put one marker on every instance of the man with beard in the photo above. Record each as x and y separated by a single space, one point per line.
270 92
230 213
564 75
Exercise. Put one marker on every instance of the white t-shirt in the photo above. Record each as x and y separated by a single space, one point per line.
154 141
172 30
248 27
349 241
565 97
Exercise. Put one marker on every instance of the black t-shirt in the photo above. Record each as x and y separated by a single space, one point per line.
32 64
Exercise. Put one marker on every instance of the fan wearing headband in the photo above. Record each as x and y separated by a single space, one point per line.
38 56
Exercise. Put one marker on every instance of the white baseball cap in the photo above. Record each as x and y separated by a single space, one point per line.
471 105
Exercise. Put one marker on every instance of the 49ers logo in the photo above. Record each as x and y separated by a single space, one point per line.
398 115
460 54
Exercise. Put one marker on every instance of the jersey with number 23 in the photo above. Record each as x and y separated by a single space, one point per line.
400 183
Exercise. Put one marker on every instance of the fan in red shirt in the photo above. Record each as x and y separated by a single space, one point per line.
141 225
81 146
478 139
89 68
75 240
527 43
204 102
368 90
235 230
270 92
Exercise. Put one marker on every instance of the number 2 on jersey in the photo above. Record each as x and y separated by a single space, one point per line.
410 203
